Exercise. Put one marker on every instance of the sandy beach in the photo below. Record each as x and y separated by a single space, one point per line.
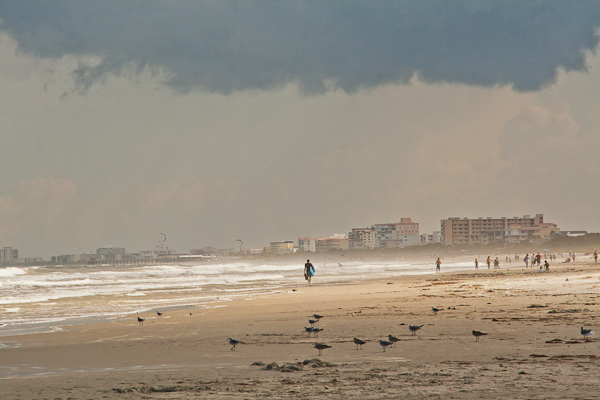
533 348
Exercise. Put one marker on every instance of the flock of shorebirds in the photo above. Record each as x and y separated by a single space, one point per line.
315 318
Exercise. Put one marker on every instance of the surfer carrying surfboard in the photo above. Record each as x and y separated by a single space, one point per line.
309 271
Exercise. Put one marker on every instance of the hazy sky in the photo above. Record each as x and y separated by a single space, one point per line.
264 121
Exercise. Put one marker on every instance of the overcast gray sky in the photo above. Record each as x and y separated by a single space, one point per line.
264 121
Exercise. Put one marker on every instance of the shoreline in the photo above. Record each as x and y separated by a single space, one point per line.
521 310
61 324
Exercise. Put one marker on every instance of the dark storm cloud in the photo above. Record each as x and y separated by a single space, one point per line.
225 46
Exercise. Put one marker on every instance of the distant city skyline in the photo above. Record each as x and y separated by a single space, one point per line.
411 227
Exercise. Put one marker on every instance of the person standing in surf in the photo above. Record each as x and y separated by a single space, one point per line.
438 266
309 271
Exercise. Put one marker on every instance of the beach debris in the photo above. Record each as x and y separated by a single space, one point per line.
317 363
359 343
555 341
233 343
384 344
393 339
141 320
321 347
567 311
538 355
586 333
478 334
414 328
537 306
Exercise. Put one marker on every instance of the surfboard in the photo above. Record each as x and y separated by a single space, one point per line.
312 271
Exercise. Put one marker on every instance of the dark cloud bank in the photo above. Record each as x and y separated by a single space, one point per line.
225 46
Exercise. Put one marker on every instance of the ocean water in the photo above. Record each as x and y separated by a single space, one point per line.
46 298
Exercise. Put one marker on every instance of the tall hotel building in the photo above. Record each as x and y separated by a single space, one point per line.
466 231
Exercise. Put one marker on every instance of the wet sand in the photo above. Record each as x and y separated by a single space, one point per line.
533 348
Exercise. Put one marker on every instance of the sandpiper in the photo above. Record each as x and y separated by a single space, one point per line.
384 344
312 322
586 333
233 343
478 334
321 347
359 343
393 339
414 328
317 316
141 320
159 313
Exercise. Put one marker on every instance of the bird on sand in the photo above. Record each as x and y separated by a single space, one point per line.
393 339
586 333
321 347
316 331
384 344
414 328
309 330
233 343
141 320
435 310
478 334
159 313
359 343
312 322
317 316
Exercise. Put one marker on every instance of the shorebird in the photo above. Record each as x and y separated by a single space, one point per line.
312 322
359 343
384 344
316 331
435 310
317 316
159 313
321 347
478 334
586 333
233 343
414 328
393 339
141 320
309 330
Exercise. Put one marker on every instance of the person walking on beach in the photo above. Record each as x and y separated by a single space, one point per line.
438 266
539 259
595 256
547 266
476 264
309 271
496 263
489 261
526 260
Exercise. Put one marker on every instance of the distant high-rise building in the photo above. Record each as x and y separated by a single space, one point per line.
283 247
8 254
361 238
397 234
465 231
307 244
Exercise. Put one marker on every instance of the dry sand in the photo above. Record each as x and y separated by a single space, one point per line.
533 349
